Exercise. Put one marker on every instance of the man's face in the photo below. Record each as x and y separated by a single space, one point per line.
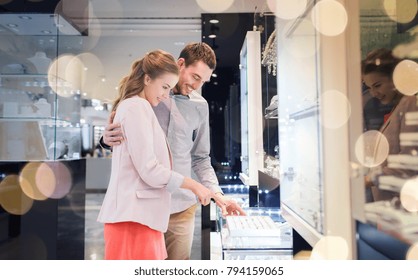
192 77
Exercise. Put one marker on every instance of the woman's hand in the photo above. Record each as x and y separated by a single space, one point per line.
204 194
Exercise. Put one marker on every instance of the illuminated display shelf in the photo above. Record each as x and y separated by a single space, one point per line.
36 123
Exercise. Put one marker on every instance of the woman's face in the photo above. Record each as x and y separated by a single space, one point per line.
380 86
159 88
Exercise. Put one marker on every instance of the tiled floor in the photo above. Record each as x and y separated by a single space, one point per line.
94 244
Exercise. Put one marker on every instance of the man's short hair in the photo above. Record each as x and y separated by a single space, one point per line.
194 52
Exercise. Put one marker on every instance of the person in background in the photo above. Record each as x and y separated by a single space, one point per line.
136 207
373 111
377 74
184 118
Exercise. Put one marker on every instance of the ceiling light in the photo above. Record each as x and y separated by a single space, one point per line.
12 25
212 36
214 21
46 32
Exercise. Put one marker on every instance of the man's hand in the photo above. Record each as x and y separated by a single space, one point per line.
112 135
232 208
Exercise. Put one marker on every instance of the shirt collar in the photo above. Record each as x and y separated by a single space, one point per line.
181 96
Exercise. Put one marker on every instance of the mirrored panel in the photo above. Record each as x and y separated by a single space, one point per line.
389 44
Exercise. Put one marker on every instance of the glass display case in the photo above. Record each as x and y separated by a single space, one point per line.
42 174
259 139
314 118
37 123
251 116
260 242
271 166
256 245
40 96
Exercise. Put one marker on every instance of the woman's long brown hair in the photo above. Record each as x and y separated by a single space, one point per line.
154 64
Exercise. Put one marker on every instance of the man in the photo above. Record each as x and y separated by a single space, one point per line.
184 117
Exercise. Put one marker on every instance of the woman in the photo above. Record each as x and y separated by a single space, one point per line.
377 74
136 206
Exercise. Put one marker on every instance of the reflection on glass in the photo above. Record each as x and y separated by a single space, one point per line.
390 74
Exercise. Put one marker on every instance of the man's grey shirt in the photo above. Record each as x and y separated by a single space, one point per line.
185 120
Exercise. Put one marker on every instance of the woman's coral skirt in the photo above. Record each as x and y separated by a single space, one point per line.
133 241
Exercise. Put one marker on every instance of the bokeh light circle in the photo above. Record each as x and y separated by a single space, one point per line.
215 6
337 109
409 195
403 11
57 76
329 17
91 74
55 179
12 198
330 248
28 182
405 77
412 253
372 148
287 9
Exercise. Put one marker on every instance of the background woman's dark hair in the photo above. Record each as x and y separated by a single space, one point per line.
194 52
154 64
381 61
